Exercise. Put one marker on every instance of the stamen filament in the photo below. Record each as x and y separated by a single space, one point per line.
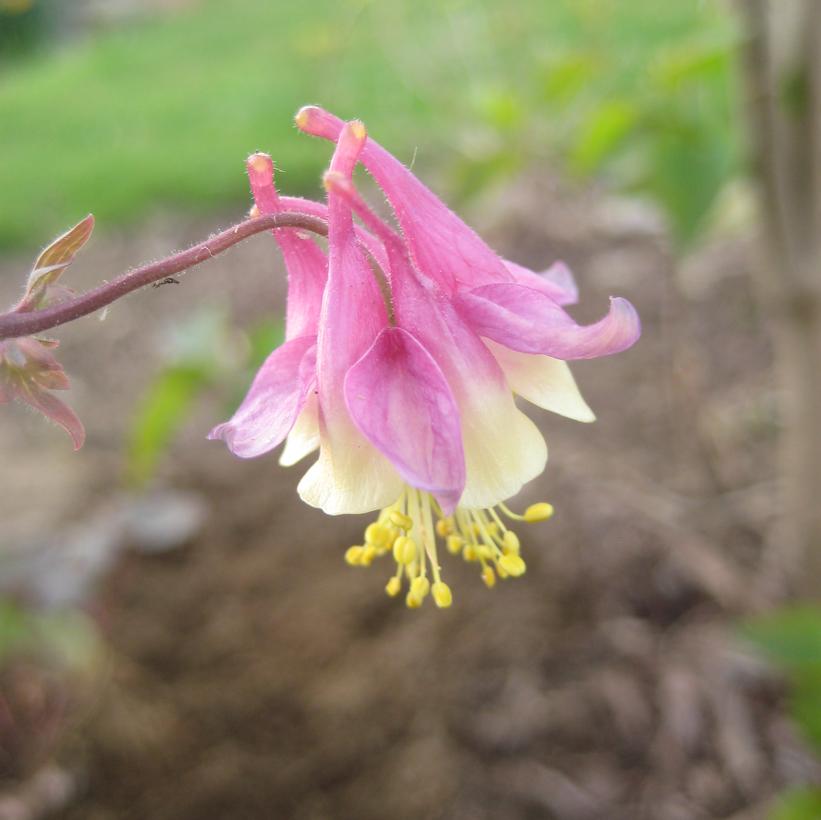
406 531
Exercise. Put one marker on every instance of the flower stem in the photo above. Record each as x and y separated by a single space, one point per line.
14 324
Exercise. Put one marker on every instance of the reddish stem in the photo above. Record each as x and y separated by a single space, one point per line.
16 324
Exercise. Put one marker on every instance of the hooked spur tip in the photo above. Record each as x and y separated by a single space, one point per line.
260 163
334 181
303 117
358 130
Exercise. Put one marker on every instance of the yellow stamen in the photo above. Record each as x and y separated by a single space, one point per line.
420 587
538 512
513 565
376 534
479 535
353 556
401 520
442 595
510 543
444 527
404 550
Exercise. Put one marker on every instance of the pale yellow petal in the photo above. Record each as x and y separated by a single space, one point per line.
304 436
350 476
542 380
503 450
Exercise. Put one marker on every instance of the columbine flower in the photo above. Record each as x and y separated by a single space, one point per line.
415 376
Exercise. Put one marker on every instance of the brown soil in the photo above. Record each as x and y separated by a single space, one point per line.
253 675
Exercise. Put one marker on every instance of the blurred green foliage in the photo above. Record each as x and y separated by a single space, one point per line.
163 111
798 804
22 25
66 636
204 352
791 638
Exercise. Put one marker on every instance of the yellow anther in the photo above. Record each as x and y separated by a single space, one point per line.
442 595
353 556
410 529
259 163
444 527
512 565
401 520
376 534
358 129
538 512
486 552
420 587
510 542
404 550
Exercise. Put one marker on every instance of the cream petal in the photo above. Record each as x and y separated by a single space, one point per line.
542 380
503 450
350 479
304 436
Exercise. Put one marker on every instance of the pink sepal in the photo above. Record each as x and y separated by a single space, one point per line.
557 281
527 320
305 261
399 399
443 247
270 408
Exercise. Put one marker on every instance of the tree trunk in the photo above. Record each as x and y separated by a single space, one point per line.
782 72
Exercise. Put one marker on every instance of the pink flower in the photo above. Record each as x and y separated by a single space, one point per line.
411 373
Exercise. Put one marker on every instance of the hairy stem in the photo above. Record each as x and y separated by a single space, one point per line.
16 324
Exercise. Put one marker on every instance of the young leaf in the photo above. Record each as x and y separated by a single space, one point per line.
53 261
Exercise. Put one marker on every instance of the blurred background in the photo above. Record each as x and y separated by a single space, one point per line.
180 637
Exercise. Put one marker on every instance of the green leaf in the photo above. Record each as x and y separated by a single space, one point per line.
791 637
53 261
500 108
602 133
263 338
160 415
67 635
805 705
16 628
798 804
569 76
694 61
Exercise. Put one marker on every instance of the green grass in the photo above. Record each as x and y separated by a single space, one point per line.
162 113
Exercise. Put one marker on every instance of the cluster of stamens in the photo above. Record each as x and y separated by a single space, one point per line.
409 529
